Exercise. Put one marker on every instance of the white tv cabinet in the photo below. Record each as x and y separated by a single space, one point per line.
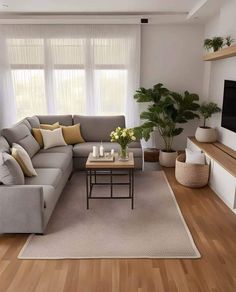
222 170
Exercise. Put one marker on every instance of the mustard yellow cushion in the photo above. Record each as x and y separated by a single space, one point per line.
72 134
38 136
37 133
49 127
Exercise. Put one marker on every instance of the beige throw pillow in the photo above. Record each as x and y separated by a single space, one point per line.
22 157
37 133
52 138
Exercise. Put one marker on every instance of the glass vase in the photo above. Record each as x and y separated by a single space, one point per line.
123 153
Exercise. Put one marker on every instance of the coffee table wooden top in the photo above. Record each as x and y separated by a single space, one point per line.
113 164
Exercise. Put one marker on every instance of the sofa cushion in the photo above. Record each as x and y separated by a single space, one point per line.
98 128
21 135
72 134
60 149
34 121
52 138
83 150
4 146
52 160
46 176
65 120
10 170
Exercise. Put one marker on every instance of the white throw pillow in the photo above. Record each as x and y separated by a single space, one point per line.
22 157
52 138
196 157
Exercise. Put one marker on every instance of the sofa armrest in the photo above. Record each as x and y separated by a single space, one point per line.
21 209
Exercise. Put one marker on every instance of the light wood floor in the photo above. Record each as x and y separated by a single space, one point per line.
211 223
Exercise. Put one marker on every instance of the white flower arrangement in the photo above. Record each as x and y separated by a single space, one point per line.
123 136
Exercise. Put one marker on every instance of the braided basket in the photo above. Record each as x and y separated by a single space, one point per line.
191 175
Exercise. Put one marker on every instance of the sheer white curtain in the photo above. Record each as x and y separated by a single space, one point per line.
77 69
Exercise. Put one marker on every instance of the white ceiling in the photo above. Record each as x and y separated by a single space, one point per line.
107 11
97 6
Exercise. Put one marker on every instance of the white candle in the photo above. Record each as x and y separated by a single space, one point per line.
112 152
95 151
101 151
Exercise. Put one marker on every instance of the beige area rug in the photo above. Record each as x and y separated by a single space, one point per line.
110 229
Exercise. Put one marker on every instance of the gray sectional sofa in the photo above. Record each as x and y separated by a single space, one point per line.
27 208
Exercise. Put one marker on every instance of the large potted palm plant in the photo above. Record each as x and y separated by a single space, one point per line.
166 111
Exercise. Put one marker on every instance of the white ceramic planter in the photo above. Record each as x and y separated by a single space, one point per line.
167 159
206 135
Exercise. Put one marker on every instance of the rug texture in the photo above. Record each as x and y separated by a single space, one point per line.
110 229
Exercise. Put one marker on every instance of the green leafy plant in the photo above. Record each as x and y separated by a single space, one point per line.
165 112
206 110
228 41
216 43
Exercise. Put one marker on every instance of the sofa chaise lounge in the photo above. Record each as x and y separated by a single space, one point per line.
27 208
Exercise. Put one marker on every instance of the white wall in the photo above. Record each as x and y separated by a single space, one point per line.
172 55
216 72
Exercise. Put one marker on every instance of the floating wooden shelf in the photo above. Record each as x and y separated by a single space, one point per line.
221 54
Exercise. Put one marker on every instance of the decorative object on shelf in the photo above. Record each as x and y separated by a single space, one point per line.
190 174
166 111
228 41
123 136
204 133
215 43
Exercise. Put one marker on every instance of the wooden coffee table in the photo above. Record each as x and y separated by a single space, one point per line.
94 169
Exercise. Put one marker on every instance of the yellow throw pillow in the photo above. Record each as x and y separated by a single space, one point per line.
38 136
23 159
49 127
37 133
72 134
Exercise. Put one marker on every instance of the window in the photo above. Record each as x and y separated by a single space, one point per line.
72 69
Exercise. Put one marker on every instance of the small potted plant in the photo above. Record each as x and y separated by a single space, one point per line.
166 111
123 136
215 43
205 133
228 41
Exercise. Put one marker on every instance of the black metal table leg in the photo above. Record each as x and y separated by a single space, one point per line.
87 189
132 187
111 183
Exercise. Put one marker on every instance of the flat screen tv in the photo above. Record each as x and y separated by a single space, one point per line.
229 106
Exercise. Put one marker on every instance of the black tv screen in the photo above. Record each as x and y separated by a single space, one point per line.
229 106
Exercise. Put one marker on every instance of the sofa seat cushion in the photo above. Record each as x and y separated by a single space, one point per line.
83 150
52 160
46 176
59 149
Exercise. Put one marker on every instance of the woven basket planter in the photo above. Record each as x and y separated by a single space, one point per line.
191 175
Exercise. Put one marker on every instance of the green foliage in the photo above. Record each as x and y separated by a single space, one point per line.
166 111
206 110
228 41
216 43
